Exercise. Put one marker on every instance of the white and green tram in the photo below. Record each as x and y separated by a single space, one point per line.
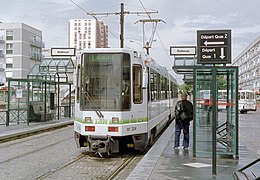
123 100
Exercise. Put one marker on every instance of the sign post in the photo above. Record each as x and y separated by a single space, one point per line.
214 46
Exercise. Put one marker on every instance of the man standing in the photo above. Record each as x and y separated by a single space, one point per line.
183 116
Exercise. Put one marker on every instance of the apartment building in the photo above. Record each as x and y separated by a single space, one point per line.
20 49
248 62
87 33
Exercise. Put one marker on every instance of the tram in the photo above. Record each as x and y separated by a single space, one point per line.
123 100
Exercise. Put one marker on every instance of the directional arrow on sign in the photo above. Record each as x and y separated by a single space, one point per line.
222 53
213 43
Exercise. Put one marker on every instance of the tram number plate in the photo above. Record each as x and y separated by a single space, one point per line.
131 129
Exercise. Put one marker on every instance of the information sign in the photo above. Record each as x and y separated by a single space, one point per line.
214 46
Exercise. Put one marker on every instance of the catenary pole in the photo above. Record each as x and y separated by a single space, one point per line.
122 14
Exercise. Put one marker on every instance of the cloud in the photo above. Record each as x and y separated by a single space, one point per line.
183 19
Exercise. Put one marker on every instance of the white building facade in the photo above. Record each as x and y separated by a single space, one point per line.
249 66
20 49
87 33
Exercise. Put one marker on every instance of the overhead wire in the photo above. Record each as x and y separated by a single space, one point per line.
156 31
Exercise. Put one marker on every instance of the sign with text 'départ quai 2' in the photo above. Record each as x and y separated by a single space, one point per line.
214 46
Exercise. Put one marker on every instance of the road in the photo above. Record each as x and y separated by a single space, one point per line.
249 131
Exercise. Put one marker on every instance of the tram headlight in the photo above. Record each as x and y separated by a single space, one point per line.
88 120
115 120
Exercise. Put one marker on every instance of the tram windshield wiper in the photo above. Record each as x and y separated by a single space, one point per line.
91 101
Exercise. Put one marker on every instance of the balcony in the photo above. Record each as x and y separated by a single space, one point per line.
36 56
37 43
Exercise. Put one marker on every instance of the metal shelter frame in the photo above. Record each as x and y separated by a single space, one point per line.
44 95
187 65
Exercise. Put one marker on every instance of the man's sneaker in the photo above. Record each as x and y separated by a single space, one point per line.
176 148
186 148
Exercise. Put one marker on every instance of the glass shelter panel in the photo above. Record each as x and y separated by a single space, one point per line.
226 111
203 111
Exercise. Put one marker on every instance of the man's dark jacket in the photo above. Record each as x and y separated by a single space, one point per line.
183 105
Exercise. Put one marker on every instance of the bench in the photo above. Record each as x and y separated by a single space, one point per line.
223 136
36 112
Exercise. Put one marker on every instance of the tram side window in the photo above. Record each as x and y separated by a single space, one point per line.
242 95
164 88
137 84
77 83
153 85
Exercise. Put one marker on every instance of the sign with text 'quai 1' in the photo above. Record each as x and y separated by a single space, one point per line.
214 46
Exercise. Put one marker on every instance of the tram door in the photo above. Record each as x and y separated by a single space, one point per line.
224 110
139 110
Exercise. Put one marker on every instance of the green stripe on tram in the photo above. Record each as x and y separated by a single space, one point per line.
106 121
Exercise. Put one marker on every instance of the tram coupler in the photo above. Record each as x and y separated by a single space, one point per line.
100 144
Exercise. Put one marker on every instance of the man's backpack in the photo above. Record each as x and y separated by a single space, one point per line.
184 113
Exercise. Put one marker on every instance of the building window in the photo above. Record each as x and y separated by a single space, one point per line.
9 46
9 51
9 65
9 34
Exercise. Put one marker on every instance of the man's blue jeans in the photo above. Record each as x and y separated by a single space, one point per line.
178 128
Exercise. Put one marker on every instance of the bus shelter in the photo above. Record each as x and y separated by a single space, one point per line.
215 100
45 95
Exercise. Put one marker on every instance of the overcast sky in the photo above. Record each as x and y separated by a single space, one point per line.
183 18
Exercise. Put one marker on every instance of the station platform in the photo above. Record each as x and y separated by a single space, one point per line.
15 130
164 163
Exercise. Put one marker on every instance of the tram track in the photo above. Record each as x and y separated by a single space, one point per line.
49 173
35 150
44 157
121 167
83 156
33 136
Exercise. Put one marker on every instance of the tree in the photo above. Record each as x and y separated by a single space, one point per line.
186 88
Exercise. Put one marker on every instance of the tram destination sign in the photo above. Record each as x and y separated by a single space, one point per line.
214 46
